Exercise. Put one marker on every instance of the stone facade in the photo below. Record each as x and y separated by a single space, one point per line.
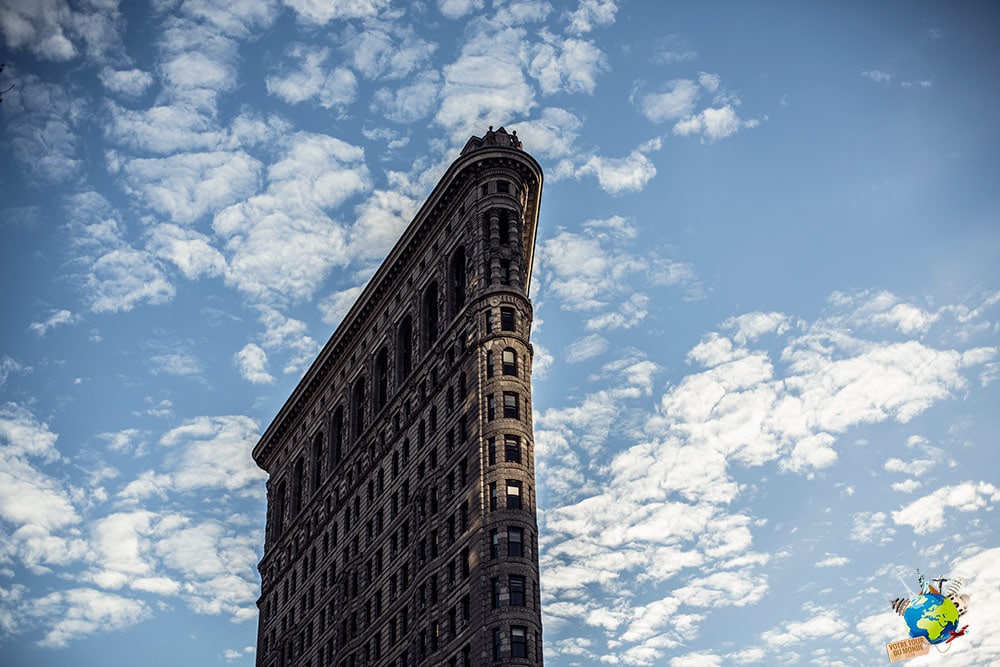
401 499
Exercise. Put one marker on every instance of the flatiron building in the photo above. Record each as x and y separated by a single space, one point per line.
401 523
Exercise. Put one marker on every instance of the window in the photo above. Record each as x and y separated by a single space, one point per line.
317 462
497 644
509 362
430 315
512 449
515 541
491 407
516 591
358 407
495 592
381 379
484 189
489 321
510 407
489 363
457 280
513 495
491 451
494 543
505 272
507 319
493 496
518 641
404 348
337 434
503 186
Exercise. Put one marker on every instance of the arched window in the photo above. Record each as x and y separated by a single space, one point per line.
297 481
404 348
317 461
381 379
358 407
509 361
337 435
278 509
430 315
457 280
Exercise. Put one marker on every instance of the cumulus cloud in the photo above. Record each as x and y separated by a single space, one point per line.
55 319
386 51
591 14
566 65
455 9
618 175
213 452
188 186
58 30
281 243
676 101
191 252
130 83
79 612
330 87
713 124
43 130
321 12
252 364
877 76
410 102
771 390
486 85
927 514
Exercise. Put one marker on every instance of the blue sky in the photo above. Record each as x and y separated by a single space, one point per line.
767 335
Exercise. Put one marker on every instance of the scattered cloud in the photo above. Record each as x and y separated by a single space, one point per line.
55 319
252 364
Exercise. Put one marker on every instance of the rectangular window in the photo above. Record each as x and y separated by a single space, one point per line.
516 591
513 495
503 186
489 363
518 641
495 592
512 449
515 541
509 362
493 496
489 321
491 407
494 543
497 644
507 319
510 405
491 451
484 189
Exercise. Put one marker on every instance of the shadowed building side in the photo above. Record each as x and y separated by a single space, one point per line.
401 523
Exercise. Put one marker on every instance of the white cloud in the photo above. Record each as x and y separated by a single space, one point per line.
282 243
124 278
189 186
287 334
55 319
676 102
486 84
553 134
877 76
591 14
618 175
57 30
190 251
331 87
566 65
335 306
45 119
213 452
713 124
926 515
322 12
833 560
80 612
130 83
455 9
410 102
387 52
252 364
586 348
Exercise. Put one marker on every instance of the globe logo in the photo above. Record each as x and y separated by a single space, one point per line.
932 616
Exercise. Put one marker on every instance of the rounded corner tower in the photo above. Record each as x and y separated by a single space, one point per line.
401 524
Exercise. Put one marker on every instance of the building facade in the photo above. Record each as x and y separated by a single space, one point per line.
401 523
